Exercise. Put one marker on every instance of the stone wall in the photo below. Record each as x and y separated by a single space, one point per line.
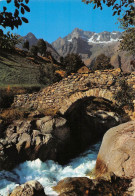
60 96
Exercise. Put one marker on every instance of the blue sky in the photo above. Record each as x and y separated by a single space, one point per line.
50 19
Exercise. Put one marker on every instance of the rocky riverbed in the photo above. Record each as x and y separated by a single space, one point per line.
57 138
114 172
50 141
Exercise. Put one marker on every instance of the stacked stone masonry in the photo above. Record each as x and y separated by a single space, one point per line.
60 96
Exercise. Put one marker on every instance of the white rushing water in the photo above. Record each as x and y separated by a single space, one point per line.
48 173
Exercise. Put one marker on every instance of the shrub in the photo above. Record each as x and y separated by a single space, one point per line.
61 59
34 50
10 114
72 63
127 42
6 98
102 62
8 41
125 94
26 44
41 44
48 74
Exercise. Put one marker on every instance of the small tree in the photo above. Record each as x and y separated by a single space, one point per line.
8 41
26 45
48 75
72 63
123 8
125 94
102 62
128 41
34 50
61 59
41 47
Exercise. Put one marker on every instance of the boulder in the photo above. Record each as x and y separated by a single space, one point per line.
56 125
82 186
31 188
45 138
117 153
74 186
45 124
20 127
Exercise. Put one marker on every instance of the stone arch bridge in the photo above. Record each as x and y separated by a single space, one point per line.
60 96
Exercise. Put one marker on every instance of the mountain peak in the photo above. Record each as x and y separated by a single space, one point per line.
92 37
30 35
77 30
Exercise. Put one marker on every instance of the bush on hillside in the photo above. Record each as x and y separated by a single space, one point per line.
6 98
72 63
8 41
61 59
48 75
127 42
26 45
125 94
102 62
33 50
41 44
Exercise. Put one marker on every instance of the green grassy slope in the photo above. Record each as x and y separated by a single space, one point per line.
17 69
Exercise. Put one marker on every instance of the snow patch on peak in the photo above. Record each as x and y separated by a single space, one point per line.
97 41
98 38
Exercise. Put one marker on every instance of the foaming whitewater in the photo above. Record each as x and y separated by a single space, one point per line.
48 173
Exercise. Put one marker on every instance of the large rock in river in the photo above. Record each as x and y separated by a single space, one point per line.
31 188
117 152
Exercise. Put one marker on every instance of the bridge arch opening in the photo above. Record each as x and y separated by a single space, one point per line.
89 118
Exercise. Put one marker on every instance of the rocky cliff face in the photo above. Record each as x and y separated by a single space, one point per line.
92 37
90 44
82 42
